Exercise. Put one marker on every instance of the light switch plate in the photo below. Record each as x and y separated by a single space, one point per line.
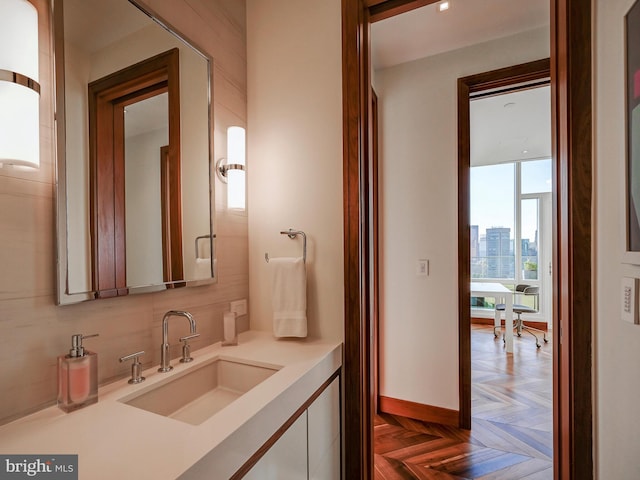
630 300
422 267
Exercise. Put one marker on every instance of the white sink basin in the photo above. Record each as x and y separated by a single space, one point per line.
196 394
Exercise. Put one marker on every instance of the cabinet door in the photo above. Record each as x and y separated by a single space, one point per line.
324 434
287 458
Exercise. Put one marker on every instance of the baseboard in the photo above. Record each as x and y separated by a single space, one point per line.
489 321
419 411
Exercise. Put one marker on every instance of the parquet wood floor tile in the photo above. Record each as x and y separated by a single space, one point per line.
511 436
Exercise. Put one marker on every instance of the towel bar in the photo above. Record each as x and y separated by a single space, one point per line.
291 233
201 237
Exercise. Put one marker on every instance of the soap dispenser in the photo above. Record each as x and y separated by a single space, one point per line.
77 376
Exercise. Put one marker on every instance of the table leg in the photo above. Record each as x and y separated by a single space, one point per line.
508 322
496 321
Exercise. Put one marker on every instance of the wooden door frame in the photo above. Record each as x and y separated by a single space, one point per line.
572 146
505 79
108 97
375 252
171 208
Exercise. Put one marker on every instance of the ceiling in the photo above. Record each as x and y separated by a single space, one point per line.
424 31
521 130
92 25
512 126
147 115
86 22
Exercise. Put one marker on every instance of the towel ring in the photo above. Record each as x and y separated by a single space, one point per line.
291 233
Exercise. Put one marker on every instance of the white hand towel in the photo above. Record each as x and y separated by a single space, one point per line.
203 268
289 297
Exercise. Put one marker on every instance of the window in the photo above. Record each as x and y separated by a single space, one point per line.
492 221
507 202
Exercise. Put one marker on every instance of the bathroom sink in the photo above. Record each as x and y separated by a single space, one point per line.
196 394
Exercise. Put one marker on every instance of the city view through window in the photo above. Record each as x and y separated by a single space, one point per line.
505 219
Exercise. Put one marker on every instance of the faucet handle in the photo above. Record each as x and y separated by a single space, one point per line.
186 338
136 366
186 348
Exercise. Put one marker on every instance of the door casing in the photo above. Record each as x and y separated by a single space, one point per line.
495 80
570 68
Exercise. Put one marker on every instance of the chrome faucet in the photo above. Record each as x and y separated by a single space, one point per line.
165 360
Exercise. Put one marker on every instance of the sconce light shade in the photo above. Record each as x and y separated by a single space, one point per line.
234 170
19 88
236 145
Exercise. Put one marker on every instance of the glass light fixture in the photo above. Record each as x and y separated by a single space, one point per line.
444 5
19 88
233 171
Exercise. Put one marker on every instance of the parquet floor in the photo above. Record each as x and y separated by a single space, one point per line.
511 436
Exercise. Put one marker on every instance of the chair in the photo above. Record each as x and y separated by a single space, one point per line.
518 309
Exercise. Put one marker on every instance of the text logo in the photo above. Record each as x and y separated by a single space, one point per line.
50 467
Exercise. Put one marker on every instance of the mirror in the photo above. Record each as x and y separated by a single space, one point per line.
135 187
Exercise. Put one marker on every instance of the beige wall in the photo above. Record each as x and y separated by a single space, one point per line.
617 344
33 330
295 152
419 214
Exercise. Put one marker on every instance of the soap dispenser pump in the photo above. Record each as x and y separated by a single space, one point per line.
77 376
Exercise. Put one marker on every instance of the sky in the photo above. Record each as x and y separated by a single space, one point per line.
492 195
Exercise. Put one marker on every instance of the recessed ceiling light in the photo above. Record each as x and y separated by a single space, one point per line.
444 5
509 105
525 151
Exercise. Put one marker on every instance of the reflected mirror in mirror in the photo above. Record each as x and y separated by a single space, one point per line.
159 227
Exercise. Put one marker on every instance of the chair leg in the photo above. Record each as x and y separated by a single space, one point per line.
534 336
544 334
520 326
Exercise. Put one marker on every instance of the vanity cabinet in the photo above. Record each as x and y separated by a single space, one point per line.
287 458
310 447
323 434
286 427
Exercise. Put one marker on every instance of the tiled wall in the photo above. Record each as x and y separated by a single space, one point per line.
33 330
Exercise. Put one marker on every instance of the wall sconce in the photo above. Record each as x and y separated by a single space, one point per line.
19 88
232 169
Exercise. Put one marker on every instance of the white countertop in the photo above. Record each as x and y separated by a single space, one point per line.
115 440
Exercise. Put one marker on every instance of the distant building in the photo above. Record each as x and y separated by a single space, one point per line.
500 260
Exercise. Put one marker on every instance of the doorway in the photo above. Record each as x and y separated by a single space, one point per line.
522 76
510 222
148 92
571 100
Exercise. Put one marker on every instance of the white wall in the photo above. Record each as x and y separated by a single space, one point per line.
294 157
143 211
617 344
418 178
